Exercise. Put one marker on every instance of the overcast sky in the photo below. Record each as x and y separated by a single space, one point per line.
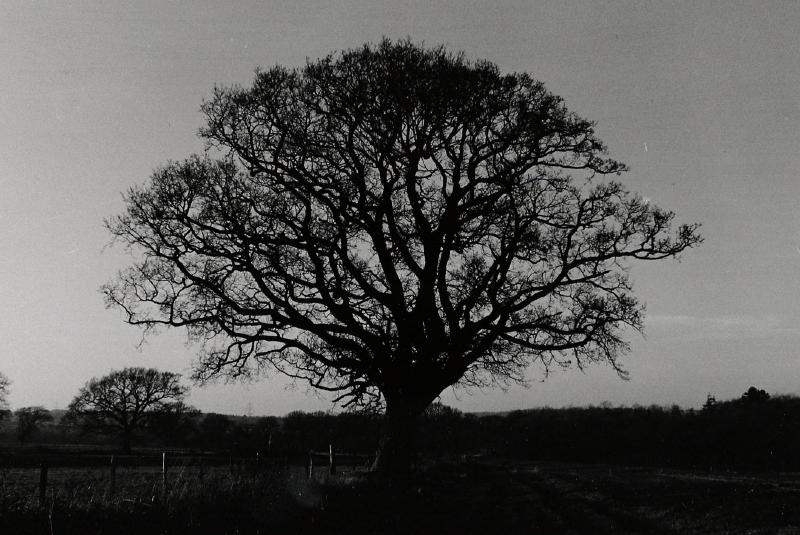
701 99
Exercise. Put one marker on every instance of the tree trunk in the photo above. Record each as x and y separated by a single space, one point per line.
397 449
126 441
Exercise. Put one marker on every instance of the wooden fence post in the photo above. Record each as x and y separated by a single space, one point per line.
331 459
164 471
310 465
113 472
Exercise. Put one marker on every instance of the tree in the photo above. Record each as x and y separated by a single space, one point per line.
754 395
174 424
439 411
124 400
388 222
215 429
28 421
5 383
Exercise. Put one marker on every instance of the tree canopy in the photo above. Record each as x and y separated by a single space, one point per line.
755 395
387 222
5 383
124 400
28 421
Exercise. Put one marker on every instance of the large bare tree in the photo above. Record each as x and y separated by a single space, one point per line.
387 222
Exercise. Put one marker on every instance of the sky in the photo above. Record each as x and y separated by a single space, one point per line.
700 99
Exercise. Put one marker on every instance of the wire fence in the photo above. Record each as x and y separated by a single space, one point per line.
89 479
84 479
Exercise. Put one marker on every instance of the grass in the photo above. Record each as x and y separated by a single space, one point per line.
217 499
485 496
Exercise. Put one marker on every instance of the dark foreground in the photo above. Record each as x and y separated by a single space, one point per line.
480 497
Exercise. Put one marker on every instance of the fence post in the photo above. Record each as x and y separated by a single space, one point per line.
42 482
331 459
113 472
310 465
164 471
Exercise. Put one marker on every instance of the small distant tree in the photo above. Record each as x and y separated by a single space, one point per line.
710 403
126 400
755 395
5 383
28 421
440 411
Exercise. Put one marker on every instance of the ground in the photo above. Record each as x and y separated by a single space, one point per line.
474 496
524 497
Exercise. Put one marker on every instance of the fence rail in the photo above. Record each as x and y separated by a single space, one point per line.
156 474
34 459
334 459
38 478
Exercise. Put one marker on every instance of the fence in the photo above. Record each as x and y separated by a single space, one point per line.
93 477
143 477
334 460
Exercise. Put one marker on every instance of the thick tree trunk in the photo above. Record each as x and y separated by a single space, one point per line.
397 449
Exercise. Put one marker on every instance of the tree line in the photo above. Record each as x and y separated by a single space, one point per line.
755 431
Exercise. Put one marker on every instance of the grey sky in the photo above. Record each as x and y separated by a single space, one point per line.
701 99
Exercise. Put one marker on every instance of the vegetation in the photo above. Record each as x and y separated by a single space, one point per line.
743 434
83 500
735 434
128 399
571 470
4 385
474 497
386 223
28 421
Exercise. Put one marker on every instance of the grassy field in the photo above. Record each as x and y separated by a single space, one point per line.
480 496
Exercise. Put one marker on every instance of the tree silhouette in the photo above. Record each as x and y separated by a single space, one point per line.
28 421
754 395
388 222
5 383
214 430
124 400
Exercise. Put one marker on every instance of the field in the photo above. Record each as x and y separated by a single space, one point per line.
466 496
510 497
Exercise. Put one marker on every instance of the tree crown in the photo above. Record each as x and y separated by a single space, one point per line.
5 383
124 397
390 221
